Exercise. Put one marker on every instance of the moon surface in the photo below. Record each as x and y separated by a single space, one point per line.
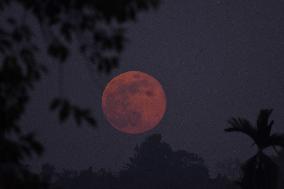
134 102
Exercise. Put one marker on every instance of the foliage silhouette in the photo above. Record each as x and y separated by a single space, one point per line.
153 165
156 165
86 179
222 182
259 172
229 168
96 27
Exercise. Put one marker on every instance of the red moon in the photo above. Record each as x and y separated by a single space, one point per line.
134 102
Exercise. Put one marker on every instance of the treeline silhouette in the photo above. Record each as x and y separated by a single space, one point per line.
154 165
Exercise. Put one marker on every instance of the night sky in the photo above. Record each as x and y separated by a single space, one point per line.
215 59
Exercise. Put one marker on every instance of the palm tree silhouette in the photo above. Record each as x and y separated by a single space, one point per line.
259 172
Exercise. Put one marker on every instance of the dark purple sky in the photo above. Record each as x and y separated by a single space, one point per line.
215 59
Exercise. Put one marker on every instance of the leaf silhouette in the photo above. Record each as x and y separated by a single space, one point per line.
54 103
65 111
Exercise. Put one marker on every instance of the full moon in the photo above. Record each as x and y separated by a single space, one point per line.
134 102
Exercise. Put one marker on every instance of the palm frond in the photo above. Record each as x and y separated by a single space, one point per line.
269 127
262 121
243 126
276 140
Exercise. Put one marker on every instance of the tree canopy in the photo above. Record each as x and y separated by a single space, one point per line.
156 165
